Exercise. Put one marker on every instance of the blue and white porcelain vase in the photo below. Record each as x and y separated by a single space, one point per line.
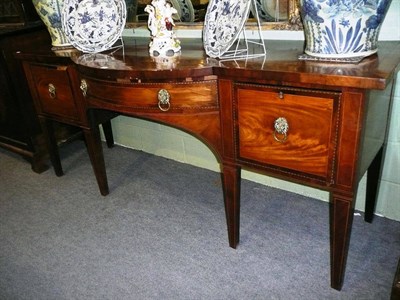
50 13
342 28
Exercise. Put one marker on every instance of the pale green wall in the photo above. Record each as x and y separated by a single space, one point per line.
177 145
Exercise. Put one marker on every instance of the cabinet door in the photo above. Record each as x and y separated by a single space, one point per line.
290 130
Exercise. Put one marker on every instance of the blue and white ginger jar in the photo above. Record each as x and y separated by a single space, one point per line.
50 12
342 28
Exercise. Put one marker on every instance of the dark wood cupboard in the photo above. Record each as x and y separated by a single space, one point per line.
19 127
20 131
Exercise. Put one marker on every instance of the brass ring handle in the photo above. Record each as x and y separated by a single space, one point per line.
52 91
281 126
163 100
84 87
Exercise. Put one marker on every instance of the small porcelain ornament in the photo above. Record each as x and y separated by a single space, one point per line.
163 39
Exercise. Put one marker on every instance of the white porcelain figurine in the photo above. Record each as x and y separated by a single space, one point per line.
160 23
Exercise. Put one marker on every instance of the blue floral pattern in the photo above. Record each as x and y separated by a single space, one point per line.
342 28
223 23
94 25
50 13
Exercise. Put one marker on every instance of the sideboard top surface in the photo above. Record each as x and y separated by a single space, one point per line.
280 65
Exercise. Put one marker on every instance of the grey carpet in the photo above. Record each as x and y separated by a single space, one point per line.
161 234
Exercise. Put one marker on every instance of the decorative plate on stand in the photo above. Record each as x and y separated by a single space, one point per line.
223 23
93 25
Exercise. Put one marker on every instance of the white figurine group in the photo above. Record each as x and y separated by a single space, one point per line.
160 23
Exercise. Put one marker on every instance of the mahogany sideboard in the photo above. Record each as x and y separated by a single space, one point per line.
320 124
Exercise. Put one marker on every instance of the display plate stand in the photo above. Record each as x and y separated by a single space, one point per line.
119 44
241 48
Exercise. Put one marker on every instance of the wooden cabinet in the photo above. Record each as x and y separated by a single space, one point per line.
17 13
19 127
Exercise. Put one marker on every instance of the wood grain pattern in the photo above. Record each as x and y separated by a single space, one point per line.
200 95
311 128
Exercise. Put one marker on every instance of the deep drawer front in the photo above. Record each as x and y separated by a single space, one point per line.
54 91
199 95
289 129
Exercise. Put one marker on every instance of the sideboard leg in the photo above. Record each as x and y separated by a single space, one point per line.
95 151
231 188
341 219
373 176
52 146
108 134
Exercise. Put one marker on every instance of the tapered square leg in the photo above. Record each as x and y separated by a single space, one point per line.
341 219
95 151
373 177
52 147
231 188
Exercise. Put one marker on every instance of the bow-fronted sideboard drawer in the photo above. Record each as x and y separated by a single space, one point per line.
291 130
174 97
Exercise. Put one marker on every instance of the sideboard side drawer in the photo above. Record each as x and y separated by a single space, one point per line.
308 147
54 91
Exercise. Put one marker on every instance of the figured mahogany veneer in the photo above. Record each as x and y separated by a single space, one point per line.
184 96
336 115
309 148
